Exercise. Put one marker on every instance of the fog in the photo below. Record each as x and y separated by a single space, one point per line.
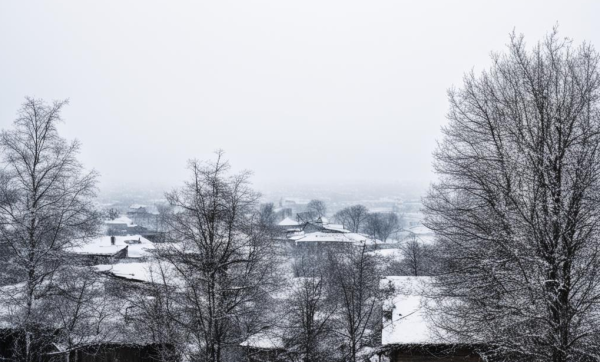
297 91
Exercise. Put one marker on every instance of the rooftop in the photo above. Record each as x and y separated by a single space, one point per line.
410 321
347 237
138 246
288 222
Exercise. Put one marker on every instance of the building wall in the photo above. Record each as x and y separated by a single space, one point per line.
425 355
119 353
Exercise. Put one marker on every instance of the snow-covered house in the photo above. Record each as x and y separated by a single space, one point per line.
266 345
121 224
124 225
137 209
409 332
323 225
110 249
289 224
342 239
143 272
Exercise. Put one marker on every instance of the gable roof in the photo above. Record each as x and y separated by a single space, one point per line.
288 222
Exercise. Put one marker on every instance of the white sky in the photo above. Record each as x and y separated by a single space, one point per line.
297 91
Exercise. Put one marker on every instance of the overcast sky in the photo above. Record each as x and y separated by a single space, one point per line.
297 91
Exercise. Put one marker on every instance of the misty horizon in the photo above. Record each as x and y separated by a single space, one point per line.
325 92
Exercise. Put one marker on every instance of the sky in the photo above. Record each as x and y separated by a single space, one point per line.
310 91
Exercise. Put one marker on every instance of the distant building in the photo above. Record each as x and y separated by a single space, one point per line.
119 225
137 209
323 225
124 225
321 239
283 212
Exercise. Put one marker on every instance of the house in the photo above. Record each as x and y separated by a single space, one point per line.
137 209
115 352
323 225
338 239
124 225
266 345
48 342
288 224
409 333
111 249
119 225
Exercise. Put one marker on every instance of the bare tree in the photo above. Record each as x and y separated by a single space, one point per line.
354 283
416 257
381 225
112 213
80 311
223 260
516 207
46 205
161 221
309 312
153 313
352 217
267 214
316 208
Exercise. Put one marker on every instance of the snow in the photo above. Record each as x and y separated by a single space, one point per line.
288 222
335 227
426 239
267 339
336 238
296 235
420 230
422 234
322 220
121 220
410 323
388 253
331 237
134 271
147 272
138 246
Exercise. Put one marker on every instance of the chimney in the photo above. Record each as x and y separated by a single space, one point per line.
113 240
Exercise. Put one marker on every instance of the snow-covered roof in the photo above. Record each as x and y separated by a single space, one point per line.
388 253
323 220
120 220
410 323
136 206
147 272
288 222
420 230
138 246
135 271
335 227
336 238
266 339
296 235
